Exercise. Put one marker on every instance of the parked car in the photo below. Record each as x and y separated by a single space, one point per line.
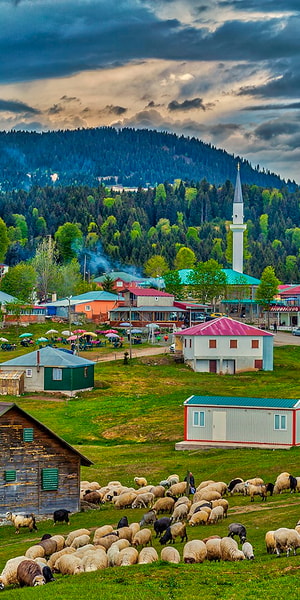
172 348
296 331
218 314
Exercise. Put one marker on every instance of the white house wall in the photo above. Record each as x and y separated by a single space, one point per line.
197 352
154 300
31 384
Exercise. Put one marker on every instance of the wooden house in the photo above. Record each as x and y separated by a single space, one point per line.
229 422
52 370
40 472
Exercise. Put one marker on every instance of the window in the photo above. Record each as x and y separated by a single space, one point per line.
233 344
87 308
56 374
280 422
254 343
10 475
190 343
212 343
49 479
27 434
258 364
119 283
198 418
85 371
185 342
28 372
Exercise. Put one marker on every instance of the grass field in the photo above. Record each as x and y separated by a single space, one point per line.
128 426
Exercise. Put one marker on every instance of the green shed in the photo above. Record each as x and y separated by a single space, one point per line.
53 370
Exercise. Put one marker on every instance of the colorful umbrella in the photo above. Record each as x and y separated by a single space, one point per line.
79 330
24 335
110 331
125 325
72 338
3 340
66 332
112 335
89 333
52 331
42 339
136 331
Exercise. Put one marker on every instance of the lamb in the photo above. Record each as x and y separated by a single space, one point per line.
256 490
161 525
229 550
248 551
147 556
163 505
194 552
270 542
101 531
143 501
114 550
29 573
81 540
239 488
237 529
76 533
94 560
172 479
125 500
286 539
22 521
61 515
54 557
217 514
170 555
126 557
199 518
142 538
69 565
213 548
174 531
233 483
180 512
177 489
9 572
140 481
282 483
149 517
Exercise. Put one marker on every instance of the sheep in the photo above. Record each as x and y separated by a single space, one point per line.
29 573
183 500
22 521
194 552
229 550
76 533
177 489
293 483
239 488
170 555
172 479
207 494
142 538
163 505
198 506
256 490
199 518
204 484
179 513
123 522
247 549
126 557
217 514
125 500
147 556
60 541
143 501
81 540
140 481
135 527
149 517
217 486
161 525
54 557
9 572
282 483
143 490
125 533
286 539
165 483
114 550
237 529
61 515
69 565
35 551
83 550
107 540
174 531
94 560
270 487
92 497
222 502
233 483
46 570
213 548
101 531
270 542
255 481
158 491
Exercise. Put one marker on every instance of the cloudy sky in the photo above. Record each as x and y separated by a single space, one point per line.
225 71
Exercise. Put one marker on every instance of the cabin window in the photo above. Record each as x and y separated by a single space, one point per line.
10 475
119 283
28 372
212 343
85 371
27 434
190 343
49 479
280 422
233 344
254 343
56 374
87 307
198 418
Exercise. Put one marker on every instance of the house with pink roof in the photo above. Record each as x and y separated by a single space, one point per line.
225 346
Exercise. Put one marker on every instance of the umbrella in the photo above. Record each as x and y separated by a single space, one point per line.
52 331
66 332
89 333
112 335
125 325
24 335
3 340
72 338
42 339
111 331
153 325
136 331
79 330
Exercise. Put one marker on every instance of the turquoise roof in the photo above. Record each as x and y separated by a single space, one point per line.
118 275
4 297
232 277
48 357
280 403
95 295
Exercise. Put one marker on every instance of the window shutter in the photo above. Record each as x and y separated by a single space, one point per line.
49 479
10 475
28 434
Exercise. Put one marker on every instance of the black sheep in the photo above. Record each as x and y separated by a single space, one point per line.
232 483
161 525
167 537
293 483
61 515
237 529
122 523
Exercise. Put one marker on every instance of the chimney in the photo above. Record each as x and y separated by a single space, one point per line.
54 297
38 361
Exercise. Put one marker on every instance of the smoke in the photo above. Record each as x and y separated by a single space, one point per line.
96 262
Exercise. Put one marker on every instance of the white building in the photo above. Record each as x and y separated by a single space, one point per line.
238 227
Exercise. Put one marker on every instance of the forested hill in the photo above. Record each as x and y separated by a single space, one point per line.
128 157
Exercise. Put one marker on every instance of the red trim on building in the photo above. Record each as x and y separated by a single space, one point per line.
185 423
294 428
242 443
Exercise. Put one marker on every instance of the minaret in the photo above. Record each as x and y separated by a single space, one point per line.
238 226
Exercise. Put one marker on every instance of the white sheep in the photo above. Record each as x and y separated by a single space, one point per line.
101 531
147 555
143 500
204 484
107 540
239 488
256 490
94 561
142 537
60 541
270 542
199 518
164 505
248 550
217 486
170 554
125 533
81 540
54 557
230 550
114 550
222 502
35 551
282 483
76 533
216 514
126 557
140 481
255 481
198 504
125 500
144 489
68 564
177 489
172 479
9 572
286 539
183 500
80 552
213 547
135 527
21 521
180 512
194 552
207 494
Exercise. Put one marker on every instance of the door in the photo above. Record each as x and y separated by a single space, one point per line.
228 367
212 366
219 425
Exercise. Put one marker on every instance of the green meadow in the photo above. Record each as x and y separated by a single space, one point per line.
128 426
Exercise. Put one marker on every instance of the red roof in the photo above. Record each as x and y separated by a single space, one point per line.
223 326
148 292
290 291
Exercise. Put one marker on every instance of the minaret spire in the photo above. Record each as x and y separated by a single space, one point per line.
238 226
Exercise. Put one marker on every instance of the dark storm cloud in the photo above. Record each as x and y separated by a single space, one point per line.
291 106
273 128
267 6
186 105
284 85
15 106
113 110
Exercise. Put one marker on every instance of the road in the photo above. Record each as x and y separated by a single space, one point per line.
281 338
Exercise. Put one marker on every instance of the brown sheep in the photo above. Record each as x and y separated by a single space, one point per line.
29 573
142 537
163 505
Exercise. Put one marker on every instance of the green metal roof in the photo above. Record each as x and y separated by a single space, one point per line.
280 403
232 277
48 357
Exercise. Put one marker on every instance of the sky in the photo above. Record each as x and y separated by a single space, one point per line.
224 71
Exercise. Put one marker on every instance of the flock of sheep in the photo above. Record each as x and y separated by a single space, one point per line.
131 543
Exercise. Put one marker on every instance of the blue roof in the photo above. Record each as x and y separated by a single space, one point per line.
48 357
4 297
232 277
280 403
